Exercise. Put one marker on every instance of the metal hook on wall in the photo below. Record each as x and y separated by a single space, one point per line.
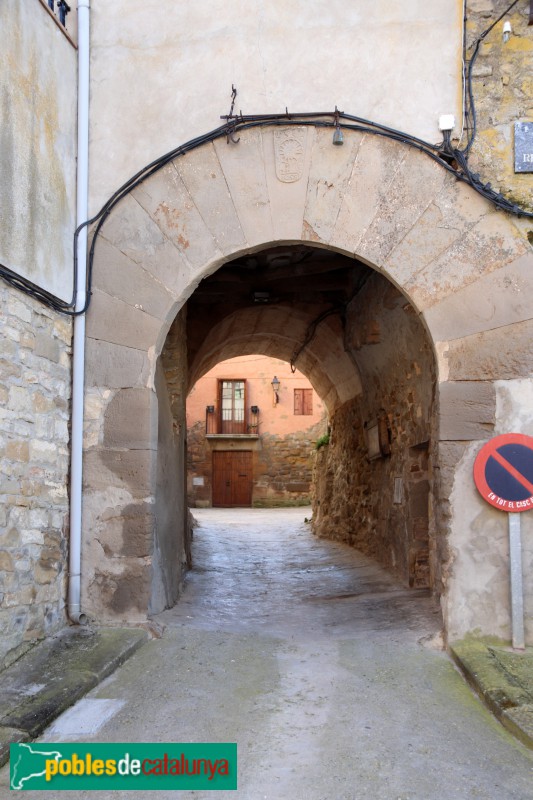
231 119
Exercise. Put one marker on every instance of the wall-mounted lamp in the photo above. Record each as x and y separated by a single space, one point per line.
338 137
210 420
507 31
275 388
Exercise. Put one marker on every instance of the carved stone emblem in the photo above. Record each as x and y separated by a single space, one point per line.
289 149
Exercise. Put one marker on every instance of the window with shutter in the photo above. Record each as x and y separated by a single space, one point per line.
232 406
303 401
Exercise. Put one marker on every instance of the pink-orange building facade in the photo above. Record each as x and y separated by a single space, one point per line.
252 428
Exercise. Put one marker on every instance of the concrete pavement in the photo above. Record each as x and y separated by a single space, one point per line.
56 673
322 668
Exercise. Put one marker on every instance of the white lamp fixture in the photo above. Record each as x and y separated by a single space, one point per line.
507 31
446 122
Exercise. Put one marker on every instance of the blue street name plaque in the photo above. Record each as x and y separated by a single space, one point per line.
523 147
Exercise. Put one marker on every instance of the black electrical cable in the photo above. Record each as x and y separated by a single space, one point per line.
338 308
315 119
310 333
443 154
470 110
31 289
460 157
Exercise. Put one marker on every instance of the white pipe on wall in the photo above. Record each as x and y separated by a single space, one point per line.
78 340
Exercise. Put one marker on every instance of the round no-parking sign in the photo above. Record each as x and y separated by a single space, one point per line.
503 472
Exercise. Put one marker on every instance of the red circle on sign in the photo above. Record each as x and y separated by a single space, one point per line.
493 458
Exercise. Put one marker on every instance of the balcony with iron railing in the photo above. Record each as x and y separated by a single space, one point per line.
59 10
242 423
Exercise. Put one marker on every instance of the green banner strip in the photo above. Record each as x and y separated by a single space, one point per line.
123 766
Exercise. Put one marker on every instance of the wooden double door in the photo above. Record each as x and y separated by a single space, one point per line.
232 478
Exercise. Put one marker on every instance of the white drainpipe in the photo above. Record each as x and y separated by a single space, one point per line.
78 341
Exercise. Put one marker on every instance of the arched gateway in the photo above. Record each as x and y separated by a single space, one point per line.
434 282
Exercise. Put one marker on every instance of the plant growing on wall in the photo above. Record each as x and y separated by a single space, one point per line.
322 441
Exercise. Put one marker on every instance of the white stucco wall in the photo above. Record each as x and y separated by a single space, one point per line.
37 146
479 591
162 71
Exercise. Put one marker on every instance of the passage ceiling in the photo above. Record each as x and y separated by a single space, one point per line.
287 302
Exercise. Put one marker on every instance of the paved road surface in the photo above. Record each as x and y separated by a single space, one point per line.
317 663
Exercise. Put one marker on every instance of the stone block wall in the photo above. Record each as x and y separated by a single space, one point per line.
35 375
172 545
282 466
135 513
382 506
199 465
503 93
354 499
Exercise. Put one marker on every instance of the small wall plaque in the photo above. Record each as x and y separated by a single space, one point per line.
377 438
523 147
289 149
398 491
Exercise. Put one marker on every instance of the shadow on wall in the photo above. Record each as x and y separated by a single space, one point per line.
381 505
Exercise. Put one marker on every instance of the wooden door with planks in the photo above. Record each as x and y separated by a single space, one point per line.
232 478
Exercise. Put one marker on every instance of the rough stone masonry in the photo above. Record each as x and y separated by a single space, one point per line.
34 464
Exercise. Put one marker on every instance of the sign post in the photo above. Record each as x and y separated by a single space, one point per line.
503 473
517 594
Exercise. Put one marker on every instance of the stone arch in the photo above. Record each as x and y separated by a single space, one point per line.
463 266
331 371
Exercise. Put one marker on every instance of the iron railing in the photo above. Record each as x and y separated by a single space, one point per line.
216 426
60 11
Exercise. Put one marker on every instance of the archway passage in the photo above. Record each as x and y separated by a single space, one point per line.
418 265
286 301
364 350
